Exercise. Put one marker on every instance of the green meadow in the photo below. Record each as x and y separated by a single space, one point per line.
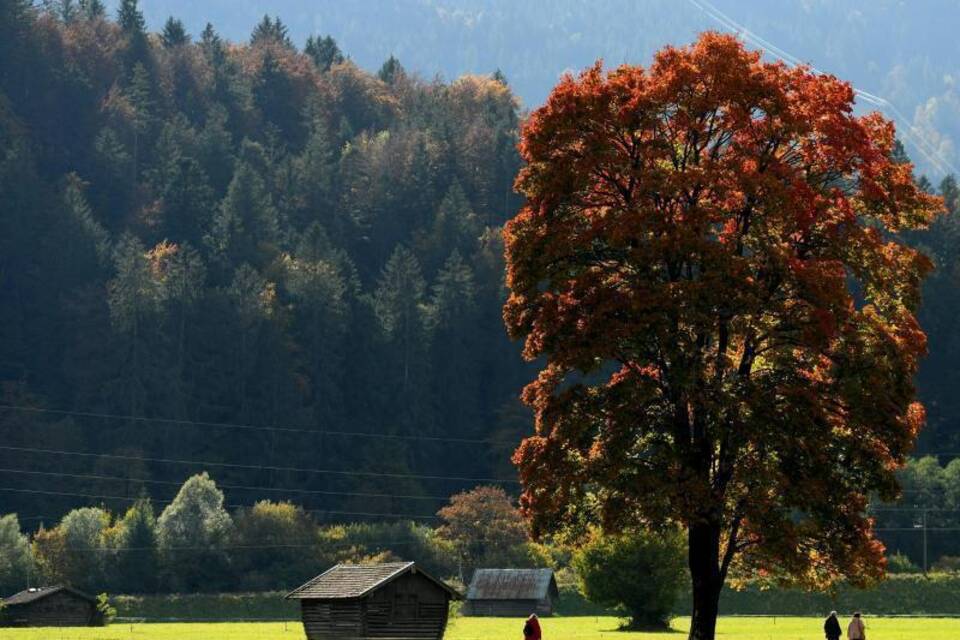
561 628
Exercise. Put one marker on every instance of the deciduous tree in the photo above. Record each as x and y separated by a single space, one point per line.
484 526
708 268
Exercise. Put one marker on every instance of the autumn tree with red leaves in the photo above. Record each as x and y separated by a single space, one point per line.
708 267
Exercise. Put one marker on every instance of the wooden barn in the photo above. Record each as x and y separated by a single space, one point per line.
58 606
511 592
392 600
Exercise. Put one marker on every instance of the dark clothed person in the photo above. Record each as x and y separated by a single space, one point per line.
831 627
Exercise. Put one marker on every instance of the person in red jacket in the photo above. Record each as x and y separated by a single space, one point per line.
531 628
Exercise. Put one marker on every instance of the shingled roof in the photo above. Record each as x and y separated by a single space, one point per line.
345 581
512 584
36 593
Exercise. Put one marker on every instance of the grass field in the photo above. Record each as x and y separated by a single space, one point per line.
571 628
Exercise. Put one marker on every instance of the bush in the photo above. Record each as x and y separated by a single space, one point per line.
899 594
386 541
639 574
272 541
105 611
901 563
269 605
947 564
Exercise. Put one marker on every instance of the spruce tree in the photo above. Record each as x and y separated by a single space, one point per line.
270 31
245 226
174 33
137 558
324 52
455 360
134 28
391 71
92 9
315 175
400 307
134 298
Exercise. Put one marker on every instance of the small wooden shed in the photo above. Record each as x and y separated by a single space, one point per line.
391 600
57 606
511 592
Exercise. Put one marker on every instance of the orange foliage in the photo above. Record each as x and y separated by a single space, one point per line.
712 241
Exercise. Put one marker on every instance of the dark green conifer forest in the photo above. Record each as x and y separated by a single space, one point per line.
194 232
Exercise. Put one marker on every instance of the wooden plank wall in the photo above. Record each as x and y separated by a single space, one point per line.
409 608
62 609
508 608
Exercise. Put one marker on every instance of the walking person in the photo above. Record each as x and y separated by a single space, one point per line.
831 627
856 630
531 628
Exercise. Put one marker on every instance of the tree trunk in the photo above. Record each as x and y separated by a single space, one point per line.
704 561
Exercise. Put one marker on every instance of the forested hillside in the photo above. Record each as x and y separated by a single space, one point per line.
201 232
260 260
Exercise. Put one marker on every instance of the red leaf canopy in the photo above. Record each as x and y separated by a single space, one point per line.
708 265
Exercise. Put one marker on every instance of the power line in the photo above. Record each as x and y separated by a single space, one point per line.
918 529
233 465
914 135
84 476
371 543
247 427
232 506
913 509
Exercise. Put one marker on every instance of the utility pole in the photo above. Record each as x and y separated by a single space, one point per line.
924 542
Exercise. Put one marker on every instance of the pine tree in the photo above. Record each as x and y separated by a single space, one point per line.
137 558
270 32
174 33
324 52
183 278
391 71
130 18
252 301
140 94
92 9
321 312
134 296
245 226
275 96
454 227
315 174
112 185
950 193
134 28
212 46
456 358
64 10
88 237
400 307
215 151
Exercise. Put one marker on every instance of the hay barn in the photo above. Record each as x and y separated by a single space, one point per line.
393 600
58 606
511 592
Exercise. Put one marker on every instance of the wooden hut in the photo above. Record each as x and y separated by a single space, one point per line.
511 592
393 600
58 606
